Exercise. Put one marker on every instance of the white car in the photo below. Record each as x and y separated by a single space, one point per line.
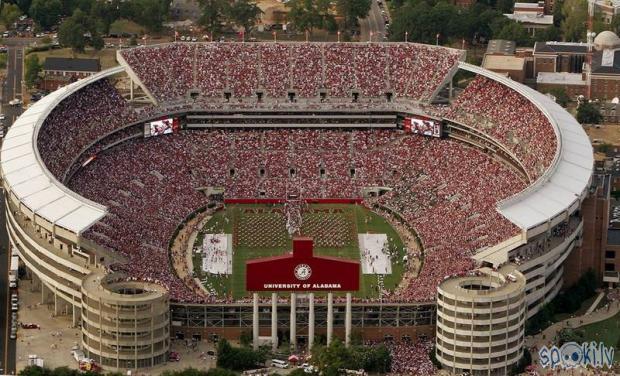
15 102
2 116
14 307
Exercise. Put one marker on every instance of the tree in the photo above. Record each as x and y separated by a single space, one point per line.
588 113
46 13
238 359
148 13
560 95
551 33
505 6
32 70
511 30
9 14
306 15
331 358
105 13
575 14
244 13
213 13
615 24
351 10
570 335
24 5
78 31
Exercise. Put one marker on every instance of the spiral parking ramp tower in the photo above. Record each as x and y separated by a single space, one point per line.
481 321
125 323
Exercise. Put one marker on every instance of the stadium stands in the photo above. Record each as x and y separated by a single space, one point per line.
445 190
149 186
511 119
406 70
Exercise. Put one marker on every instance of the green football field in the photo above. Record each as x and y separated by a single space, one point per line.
260 231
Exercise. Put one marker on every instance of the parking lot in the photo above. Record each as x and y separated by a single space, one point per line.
55 338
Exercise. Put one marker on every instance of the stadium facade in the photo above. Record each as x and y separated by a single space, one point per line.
47 222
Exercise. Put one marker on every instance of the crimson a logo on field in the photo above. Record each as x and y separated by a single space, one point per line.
303 272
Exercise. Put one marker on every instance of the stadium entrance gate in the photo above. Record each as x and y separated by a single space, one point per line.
301 273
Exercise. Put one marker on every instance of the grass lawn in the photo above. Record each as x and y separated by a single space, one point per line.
606 331
585 305
107 56
349 220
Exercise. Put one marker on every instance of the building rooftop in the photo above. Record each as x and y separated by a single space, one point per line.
555 47
501 47
560 78
71 65
606 62
529 5
498 62
610 3
531 18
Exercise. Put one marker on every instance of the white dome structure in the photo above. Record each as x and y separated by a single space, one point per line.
606 40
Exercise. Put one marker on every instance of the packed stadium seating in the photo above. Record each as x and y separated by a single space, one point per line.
443 189
77 121
408 70
438 188
510 118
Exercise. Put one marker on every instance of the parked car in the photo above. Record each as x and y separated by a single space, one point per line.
14 307
15 102
174 356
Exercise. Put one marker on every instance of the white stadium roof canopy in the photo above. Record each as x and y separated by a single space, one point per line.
26 176
558 191
566 181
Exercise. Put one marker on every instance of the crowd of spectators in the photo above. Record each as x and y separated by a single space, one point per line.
510 118
409 358
445 190
439 188
79 120
242 69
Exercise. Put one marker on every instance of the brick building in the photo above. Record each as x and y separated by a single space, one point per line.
553 57
60 71
605 68
573 83
595 212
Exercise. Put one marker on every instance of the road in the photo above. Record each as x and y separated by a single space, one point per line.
373 23
11 88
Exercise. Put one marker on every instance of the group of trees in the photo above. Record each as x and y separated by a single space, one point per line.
66 371
329 359
215 13
423 20
567 301
63 371
588 113
32 68
86 21
239 358
306 15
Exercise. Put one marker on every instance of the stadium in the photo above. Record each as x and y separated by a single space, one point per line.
136 198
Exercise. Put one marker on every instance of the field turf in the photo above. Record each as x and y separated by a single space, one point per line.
259 231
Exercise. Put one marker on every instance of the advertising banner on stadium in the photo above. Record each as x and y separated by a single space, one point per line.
302 271
423 126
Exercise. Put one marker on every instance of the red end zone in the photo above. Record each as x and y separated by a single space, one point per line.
302 271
